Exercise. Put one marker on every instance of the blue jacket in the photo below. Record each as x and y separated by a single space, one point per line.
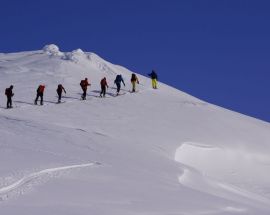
119 79
153 75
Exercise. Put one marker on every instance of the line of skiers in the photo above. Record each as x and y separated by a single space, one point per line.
84 85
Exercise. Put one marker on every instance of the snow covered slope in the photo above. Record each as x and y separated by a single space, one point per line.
155 152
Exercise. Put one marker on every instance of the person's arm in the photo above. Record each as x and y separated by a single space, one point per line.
64 90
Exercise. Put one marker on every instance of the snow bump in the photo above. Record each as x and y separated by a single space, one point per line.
74 56
52 49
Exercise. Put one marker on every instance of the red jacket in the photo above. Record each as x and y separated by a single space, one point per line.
103 82
84 84
41 88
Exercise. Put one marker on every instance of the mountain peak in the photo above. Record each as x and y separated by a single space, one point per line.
54 50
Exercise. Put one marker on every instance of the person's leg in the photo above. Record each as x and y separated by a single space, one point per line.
8 102
84 94
101 91
36 98
155 83
118 88
104 91
133 86
59 97
41 98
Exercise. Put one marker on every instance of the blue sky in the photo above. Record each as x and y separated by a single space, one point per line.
216 50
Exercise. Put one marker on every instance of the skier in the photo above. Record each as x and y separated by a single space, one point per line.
9 94
59 91
153 76
134 80
118 81
103 84
40 91
84 84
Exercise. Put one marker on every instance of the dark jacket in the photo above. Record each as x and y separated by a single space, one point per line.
8 92
153 75
119 79
60 88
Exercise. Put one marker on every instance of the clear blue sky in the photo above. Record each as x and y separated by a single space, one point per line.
216 50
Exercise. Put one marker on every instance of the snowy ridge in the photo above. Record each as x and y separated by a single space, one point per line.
162 151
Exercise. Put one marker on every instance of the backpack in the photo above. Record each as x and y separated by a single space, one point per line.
133 77
118 79
6 91
154 75
59 88
82 83
41 89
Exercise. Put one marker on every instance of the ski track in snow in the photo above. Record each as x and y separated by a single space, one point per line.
28 179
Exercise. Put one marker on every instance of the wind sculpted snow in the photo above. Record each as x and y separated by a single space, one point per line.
161 152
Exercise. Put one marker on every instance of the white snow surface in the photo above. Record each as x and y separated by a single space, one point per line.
154 152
